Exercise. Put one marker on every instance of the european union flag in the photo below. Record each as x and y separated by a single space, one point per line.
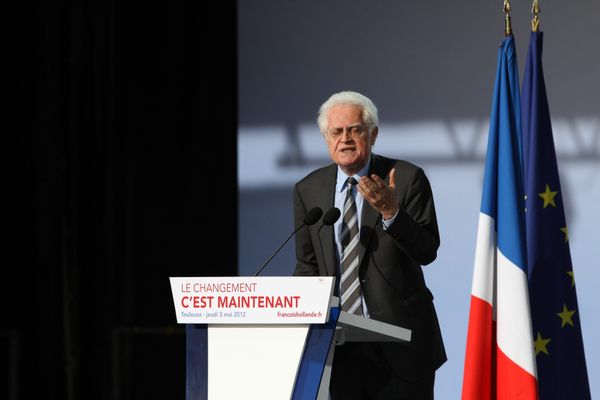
555 315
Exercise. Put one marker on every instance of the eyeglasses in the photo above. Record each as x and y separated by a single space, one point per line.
352 131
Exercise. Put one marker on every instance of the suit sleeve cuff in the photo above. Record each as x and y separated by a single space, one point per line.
388 222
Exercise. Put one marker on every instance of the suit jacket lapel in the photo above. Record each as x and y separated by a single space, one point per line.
326 199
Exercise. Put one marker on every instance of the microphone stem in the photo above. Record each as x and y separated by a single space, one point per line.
277 251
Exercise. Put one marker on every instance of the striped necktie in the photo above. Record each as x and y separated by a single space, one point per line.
349 282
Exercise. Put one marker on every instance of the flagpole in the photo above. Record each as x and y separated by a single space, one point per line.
507 24
535 21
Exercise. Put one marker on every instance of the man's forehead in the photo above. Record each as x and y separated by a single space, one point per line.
345 114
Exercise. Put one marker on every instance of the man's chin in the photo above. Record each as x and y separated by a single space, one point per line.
350 165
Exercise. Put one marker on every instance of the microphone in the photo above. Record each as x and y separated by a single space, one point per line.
330 217
311 218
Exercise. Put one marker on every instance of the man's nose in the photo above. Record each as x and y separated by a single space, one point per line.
347 135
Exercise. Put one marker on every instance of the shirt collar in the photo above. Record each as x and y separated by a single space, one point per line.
342 177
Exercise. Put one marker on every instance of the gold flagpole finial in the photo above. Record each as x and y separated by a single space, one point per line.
535 21
507 25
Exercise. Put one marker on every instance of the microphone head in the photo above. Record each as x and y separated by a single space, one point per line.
312 216
332 215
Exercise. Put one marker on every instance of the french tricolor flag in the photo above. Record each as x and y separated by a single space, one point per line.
500 359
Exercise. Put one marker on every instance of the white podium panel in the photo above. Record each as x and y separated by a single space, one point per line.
254 362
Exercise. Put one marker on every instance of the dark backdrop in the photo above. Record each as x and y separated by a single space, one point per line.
121 162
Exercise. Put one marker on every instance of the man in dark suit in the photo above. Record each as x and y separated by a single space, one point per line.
376 250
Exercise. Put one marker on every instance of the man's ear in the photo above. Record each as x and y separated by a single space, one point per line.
374 133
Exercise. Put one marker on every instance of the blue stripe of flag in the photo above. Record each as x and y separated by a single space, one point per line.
502 197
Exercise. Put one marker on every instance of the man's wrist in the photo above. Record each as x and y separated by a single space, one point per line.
388 221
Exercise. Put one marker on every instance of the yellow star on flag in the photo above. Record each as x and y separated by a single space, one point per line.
572 275
565 230
548 197
566 316
540 345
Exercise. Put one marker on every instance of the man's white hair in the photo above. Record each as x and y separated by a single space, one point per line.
369 111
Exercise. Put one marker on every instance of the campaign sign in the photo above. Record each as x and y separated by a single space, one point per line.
252 300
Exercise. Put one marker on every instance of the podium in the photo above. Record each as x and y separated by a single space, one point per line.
275 341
